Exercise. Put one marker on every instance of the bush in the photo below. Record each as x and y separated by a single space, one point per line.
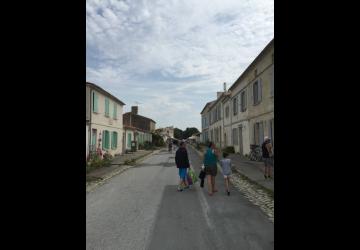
148 146
157 140
229 150
106 162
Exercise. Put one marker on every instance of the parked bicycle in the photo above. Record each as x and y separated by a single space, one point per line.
255 153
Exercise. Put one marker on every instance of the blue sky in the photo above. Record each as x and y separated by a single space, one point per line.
170 57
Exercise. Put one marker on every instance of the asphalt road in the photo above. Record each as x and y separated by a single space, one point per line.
141 209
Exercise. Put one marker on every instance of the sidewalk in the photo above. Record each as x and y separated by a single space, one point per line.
250 169
117 166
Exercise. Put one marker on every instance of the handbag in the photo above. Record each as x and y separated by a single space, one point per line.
202 174
192 175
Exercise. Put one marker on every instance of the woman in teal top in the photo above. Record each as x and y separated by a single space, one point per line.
210 163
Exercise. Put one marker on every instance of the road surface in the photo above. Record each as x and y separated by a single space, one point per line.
141 209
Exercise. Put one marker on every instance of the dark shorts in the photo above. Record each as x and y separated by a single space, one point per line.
268 162
211 170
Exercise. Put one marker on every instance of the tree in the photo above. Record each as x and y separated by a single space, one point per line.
178 133
189 132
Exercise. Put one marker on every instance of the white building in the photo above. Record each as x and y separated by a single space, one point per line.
166 133
104 121
244 114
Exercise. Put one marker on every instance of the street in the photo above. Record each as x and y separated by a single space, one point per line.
141 209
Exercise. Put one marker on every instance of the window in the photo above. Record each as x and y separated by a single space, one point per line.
257 92
107 107
235 136
219 112
243 101
94 102
114 139
235 105
106 139
115 111
227 111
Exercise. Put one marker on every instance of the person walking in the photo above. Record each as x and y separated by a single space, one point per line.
225 164
267 155
182 163
210 163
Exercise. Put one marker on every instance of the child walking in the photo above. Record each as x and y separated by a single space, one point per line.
225 164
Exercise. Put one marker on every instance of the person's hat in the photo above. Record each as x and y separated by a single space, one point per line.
266 138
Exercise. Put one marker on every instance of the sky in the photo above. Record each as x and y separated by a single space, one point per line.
170 57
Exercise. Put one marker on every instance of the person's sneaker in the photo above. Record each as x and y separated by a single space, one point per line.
265 176
228 193
179 189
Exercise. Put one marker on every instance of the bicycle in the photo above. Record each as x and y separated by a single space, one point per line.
255 153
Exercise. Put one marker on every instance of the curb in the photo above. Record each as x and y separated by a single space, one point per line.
91 186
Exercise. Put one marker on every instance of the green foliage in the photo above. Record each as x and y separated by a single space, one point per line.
107 159
178 133
157 140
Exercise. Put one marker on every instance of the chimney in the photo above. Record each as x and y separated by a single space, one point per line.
224 86
134 110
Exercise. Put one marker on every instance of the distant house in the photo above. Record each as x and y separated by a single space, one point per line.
137 128
166 133
104 125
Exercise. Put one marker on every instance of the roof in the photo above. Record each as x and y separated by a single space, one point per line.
268 46
141 116
209 103
136 129
101 90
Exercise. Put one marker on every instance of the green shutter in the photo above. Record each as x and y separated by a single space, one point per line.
103 140
115 140
129 140
107 139
95 102
115 111
107 107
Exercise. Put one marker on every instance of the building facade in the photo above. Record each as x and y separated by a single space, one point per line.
103 120
247 107
137 128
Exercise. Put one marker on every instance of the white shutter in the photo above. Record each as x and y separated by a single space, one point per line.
261 132
251 90
260 89
240 102
245 101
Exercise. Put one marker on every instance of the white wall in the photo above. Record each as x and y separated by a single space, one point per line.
100 122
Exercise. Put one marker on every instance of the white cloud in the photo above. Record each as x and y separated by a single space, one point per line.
186 49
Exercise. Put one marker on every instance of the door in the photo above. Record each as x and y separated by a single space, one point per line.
241 149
